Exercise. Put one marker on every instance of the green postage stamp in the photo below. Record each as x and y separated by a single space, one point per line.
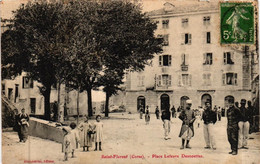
237 23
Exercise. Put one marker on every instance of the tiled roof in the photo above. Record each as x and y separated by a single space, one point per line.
185 8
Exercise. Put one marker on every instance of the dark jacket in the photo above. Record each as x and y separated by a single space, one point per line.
166 115
209 116
245 114
233 115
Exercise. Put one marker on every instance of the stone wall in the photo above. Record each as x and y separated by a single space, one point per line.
44 129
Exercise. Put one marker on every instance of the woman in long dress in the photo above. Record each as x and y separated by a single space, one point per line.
85 133
23 121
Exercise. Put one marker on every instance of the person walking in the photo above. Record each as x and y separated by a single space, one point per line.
66 144
23 122
157 112
188 117
243 125
209 117
233 115
166 118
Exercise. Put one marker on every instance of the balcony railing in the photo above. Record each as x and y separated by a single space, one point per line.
184 67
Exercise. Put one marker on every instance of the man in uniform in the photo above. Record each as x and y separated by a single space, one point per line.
243 125
233 115
210 118
188 117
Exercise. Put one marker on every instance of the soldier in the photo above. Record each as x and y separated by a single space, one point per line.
233 115
188 117
243 125
209 117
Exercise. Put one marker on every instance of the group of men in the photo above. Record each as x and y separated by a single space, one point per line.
237 127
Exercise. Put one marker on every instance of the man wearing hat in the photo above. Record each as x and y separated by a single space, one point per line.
233 115
210 118
188 117
243 125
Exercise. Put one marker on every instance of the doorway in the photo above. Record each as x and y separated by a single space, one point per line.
206 98
183 101
140 102
165 102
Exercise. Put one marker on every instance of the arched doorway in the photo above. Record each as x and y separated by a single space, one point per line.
227 99
165 102
206 98
183 101
140 102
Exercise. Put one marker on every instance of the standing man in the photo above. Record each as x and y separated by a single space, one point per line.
166 118
209 117
219 113
243 125
233 115
251 117
173 110
157 112
188 117
141 110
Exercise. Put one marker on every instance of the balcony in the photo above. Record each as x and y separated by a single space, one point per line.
184 67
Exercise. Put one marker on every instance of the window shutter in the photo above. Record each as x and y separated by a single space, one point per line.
189 38
160 60
160 80
204 58
183 38
223 78
169 80
211 59
170 59
189 80
186 57
225 58
182 59
232 57
235 78
179 80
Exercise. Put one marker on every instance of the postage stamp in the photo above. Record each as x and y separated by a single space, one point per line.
237 23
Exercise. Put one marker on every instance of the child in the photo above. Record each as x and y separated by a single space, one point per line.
98 130
86 132
74 138
147 117
66 146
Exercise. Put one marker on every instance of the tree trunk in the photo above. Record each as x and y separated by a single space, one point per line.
58 106
47 108
107 104
78 107
90 112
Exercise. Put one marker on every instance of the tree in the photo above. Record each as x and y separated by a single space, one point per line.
126 36
111 80
35 45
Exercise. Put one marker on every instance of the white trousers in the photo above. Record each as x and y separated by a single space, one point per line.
209 135
167 127
243 133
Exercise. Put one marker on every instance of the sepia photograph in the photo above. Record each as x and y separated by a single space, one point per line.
130 81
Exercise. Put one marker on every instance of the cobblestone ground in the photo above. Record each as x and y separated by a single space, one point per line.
125 135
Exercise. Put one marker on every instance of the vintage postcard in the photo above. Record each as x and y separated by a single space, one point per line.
130 81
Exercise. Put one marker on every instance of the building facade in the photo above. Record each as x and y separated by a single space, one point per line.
193 65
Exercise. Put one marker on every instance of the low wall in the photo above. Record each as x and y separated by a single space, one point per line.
44 129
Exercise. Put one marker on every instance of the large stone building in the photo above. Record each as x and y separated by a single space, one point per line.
193 65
